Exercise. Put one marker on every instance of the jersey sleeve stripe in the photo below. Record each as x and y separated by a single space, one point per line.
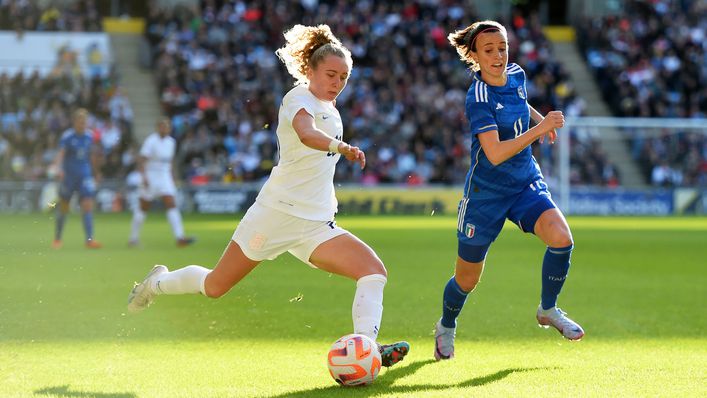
481 92
513 68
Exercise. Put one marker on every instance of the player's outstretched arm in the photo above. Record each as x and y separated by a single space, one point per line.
498 151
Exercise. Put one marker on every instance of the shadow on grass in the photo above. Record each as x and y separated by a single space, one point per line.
384 383
63 392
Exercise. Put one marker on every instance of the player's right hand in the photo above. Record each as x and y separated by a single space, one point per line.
553 120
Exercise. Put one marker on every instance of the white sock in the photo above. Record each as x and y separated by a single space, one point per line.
187 280
175 220
367 308
138 219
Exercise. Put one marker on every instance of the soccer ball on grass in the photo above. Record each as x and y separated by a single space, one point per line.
354 360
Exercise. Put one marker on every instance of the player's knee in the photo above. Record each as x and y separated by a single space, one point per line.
376 266
467 281
561 239
215 291
382 271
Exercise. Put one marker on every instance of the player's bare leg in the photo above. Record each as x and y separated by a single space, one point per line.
348 256
230 269
193 279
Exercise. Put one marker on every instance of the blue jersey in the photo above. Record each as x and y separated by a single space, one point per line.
77 153
504 109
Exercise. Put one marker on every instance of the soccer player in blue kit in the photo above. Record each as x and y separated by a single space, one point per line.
74 166
504 181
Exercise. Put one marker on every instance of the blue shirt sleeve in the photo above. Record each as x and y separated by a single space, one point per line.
481 118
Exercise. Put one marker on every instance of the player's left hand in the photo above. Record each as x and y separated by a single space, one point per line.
353 154
551 136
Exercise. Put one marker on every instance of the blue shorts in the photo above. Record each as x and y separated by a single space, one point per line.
84 185
481 218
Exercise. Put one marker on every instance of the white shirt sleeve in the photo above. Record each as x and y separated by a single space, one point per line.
292 104
146 149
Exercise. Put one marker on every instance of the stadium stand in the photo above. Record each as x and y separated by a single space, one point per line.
76 16
405 109
650 61
36 106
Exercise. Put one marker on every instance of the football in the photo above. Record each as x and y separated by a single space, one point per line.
354 360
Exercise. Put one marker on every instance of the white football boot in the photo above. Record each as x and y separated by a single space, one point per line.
444 341
142 294
558 319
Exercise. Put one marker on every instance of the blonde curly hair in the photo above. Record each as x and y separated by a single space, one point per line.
464 41
307 46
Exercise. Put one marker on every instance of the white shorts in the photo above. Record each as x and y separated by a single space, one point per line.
160 184
265 233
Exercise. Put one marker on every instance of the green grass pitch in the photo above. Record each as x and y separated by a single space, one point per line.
637 285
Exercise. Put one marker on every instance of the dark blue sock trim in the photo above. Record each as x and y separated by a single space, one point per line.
560 250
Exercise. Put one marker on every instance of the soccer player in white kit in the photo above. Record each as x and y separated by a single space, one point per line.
295 209
155 167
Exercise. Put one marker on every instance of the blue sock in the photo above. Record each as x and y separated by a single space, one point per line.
88 224
556 264
452 303
60 219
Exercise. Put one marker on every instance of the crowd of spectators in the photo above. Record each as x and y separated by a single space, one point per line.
35 108
221 83
649 61
36 111
672 158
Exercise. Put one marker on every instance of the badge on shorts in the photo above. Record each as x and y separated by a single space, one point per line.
469 230
257 242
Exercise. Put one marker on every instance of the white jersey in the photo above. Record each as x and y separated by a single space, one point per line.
159 153
302 184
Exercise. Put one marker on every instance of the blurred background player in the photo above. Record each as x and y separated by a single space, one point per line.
74 166
295 208
155 167
504 181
